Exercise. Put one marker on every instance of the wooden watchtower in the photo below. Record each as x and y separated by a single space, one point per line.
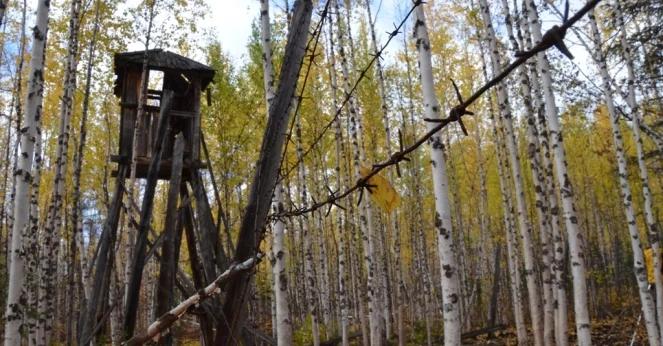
168 147
186 78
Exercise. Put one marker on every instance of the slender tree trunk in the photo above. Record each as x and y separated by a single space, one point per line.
77 244
534 155
392 220
32 242
446 247
280 280
132 194
559 249
514 163
648 305
15 311
305 229
365 217
513 263
575 238
653 227
53 231
340 186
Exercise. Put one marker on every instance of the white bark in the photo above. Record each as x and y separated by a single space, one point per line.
514 163
558 248
575 238
49 261
446 248
365 219
652 225
310 286
32 249
340 184
392 220
648 306
513 263
280 280
15 309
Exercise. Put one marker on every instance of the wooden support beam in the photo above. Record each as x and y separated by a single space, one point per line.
206 322
169 245
210 252
138 260
221 215
266 173
103 263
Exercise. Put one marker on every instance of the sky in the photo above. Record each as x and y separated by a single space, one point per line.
231 20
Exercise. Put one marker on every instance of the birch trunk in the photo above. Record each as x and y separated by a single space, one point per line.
534 155
392 220
514 163
446 248
365 219
32 241
648 305
559 249
653 227
513 263
575 238
15 310
76 209
341 157
52 232
280 280
304 226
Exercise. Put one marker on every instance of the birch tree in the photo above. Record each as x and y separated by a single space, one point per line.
575 238
15 310
365 217
446 247
49 252
280 280
653 226
648 305
516 174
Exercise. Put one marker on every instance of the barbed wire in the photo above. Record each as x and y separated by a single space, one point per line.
312 55
553 37
349 94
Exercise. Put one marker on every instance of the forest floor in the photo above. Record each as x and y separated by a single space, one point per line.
612 330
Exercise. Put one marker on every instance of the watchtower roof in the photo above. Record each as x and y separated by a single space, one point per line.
162 60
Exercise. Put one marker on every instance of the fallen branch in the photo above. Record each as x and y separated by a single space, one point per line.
166 320
482 331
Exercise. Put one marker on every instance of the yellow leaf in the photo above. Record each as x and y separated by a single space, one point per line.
381 191
649 262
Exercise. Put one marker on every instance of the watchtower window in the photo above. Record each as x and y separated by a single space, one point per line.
154 88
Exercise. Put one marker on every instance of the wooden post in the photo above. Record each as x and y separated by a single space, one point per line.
102 267
138 260
212 254
266 173
196 267
167 265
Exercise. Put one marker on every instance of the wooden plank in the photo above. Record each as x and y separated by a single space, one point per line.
195 135
206 321
183 114
208 239
169 246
